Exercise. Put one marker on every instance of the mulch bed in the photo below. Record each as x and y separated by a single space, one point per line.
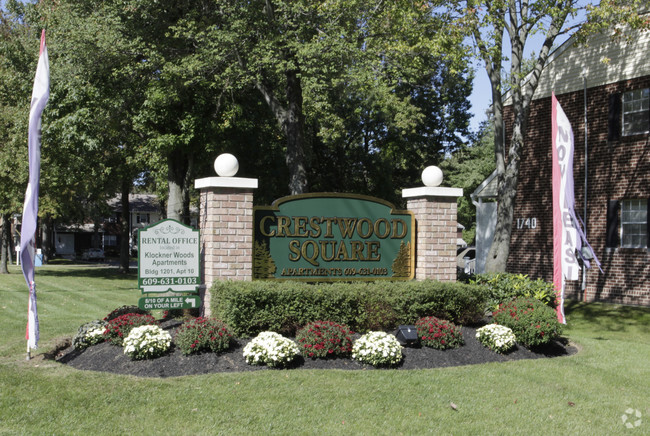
110 358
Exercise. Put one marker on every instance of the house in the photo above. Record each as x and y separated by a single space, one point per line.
604 89
70 240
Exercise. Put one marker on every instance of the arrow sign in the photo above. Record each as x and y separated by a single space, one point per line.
166 303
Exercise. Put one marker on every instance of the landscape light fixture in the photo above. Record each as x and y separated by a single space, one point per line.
407 335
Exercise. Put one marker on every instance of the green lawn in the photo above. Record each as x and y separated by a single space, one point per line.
584 394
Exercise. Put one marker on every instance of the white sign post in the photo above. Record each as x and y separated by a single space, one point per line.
168 258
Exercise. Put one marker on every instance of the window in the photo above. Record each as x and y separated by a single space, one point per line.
636 112
634 223
142 218
629 114
110 240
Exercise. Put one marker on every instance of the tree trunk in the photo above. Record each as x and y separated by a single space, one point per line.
5 235
507 191
292 122
179 168
125 218
294 129
46 238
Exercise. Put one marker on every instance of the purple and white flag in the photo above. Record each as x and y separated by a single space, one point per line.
40 94
568 236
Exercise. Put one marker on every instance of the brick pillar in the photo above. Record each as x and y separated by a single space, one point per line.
435 211
226 225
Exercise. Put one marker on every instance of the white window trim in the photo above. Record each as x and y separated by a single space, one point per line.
623 112
623 222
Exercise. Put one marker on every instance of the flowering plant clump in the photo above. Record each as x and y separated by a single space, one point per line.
496 337
90 333
123 311
533 323
119 328
272 349
147 342
439 333
203 334
324 339
377 349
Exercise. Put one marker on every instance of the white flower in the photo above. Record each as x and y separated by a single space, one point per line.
270 348
377 348
146 342
496 337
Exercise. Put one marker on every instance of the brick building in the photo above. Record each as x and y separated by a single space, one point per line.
607 84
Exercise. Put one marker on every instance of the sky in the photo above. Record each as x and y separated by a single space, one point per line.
481 97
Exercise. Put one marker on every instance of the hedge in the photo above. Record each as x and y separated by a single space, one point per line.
252 307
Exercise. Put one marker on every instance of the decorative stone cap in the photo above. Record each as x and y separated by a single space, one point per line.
432 191
225 182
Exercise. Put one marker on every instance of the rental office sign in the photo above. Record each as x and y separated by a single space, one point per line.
328 237
168 258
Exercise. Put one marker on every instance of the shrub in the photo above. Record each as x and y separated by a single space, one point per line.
172 314
532 322
324 339
504 287
90 333
119 328
377 349
272 349
496 337
147 342
439 333
123 311
251 307
203 334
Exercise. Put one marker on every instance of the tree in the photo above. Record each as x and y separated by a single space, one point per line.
467 168
494 26
90 140
325 67
18 55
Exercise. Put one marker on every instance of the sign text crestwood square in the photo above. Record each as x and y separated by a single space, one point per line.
325 237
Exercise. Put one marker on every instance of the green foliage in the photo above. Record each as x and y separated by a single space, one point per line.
533 323
119 328
147 342
203 334
324 339
251 307
503 287
90 333
439 333
377 349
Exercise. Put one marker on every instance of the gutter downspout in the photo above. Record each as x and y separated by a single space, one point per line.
584 270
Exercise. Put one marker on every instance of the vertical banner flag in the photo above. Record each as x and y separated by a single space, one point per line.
568 236
40 94
565 263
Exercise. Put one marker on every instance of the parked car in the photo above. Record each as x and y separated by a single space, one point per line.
93 254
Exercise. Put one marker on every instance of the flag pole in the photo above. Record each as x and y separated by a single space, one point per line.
40 95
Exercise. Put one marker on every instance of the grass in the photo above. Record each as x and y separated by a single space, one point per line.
583 394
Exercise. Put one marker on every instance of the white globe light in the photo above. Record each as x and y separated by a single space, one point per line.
432 176
226 165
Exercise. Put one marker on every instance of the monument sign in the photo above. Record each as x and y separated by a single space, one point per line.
327 237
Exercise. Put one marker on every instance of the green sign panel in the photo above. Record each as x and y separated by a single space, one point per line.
326 237
166 303
168 258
